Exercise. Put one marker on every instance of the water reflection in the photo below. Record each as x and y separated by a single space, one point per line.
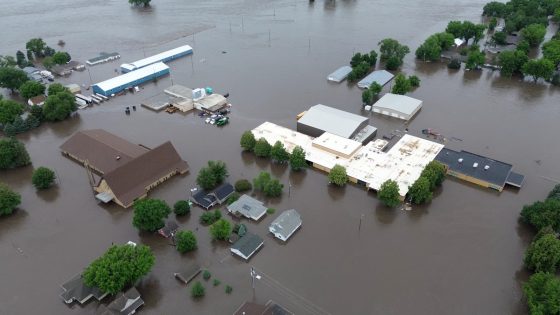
50 194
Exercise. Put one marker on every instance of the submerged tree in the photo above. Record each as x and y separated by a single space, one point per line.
248 141
149 214
43 178
9 200
278 153
543 255
542 292
144 3
13 154
297 159
389 193
337 175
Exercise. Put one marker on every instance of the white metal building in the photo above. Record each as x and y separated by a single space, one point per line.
398 106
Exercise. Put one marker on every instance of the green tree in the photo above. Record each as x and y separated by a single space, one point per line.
219 169
446 40
455 28
211 176
12 78
367 98
543 255
61 58
42 178
375 88
279 154
420 191
182 207
402 85
391 48
500 38
9 110
31 89
36 45
9 200
511 62
119 267
474 31
56 88
475 59
262 148
37 112
149 214
297 159
49 52
243 185
429 50
273 188
414 81
186 241
197 290
389 193
542 214
534 34
495 8
7 61
359 71
59 106
557 15
48 63
145 3
248 141
555 192
29 54
454 64
523 46
20 59
492 24
13 154
220 230
538 68
261 180
551 51
337 175
435 173
542 292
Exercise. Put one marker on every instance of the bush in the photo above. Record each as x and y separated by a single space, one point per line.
248 141
338 176
206 275
197 290
229 289
13 154
402 85
389 193
454 64
393 63
273 188
216 282
233 198
149 214
186 241
210 217
182 207
261 180
270 210
9 200
42 178
414 81
243 185
262 148
220 230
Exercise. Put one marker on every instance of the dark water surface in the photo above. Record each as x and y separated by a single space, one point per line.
462 254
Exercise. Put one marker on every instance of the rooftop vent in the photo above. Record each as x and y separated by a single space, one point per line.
118 157
460 160
475 165
486 167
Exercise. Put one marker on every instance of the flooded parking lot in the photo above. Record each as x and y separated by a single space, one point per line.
461 254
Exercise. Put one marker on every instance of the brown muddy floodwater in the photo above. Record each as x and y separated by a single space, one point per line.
461 254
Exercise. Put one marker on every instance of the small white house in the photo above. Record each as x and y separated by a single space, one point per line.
286 224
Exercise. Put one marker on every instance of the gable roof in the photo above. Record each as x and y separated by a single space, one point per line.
399 103
382 77
247 245
332 120
101 149
223 191
130 180
76 290
286 223
249 207
125 304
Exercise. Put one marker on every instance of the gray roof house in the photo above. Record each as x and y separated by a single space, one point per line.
125 304
248 207
246 246
285 224
76 290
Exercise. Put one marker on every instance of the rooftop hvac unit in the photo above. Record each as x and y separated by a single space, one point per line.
475 165
486 167
460 160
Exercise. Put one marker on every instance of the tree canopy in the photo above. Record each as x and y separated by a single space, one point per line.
37 46
543 255
511 62
420 191
13 154
186 241
534 34
261 180
262 148
475 59
220 230
61 57
555 192
542 292
43 178
182 207
297 159
12 78
435 173
144 3
120 266
60 103
278 153
551 51
466 30
538 68
273 188
9 200
389 193
248 141
149 214
392 49
402 85
337 175
9 110
542 214
31 89
213 175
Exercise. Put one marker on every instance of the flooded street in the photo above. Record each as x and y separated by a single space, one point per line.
460 254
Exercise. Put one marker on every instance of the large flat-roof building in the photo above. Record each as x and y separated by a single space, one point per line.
479 170
131 79
320 119
381 77
398 106
161 57
365 165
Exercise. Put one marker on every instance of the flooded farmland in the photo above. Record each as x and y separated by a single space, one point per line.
460 254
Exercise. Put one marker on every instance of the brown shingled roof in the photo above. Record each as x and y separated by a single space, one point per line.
130 180
101 148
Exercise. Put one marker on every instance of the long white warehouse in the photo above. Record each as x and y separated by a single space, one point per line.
161 57
130 79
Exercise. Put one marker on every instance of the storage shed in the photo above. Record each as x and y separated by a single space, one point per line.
134 78
382 77
161 57
399 106
340 74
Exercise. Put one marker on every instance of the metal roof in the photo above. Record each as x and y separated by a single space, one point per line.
247 245
132 76
286 223
332 120
399 103
157 58
382 77
340 74
249 207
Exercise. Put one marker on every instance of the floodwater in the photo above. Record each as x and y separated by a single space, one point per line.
461 254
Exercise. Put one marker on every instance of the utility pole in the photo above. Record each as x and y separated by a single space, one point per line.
360 226
253 274
289 188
